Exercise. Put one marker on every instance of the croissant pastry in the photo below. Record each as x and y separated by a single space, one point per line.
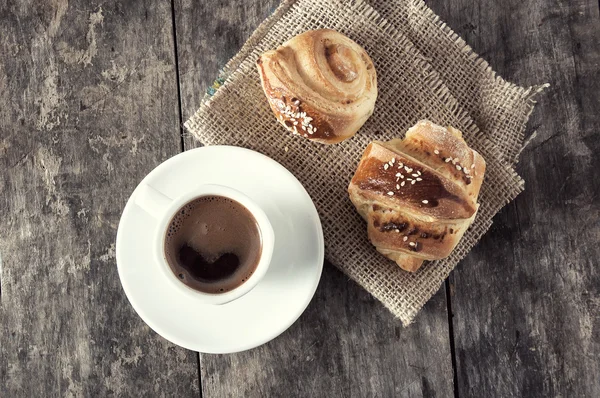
418 195
320 85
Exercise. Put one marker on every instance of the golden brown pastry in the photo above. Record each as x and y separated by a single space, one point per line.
418 195
320 85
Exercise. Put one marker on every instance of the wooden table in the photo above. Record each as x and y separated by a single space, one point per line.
93 96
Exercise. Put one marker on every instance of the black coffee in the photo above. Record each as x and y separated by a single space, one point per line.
213 244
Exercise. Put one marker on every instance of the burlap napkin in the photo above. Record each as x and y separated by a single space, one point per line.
411 81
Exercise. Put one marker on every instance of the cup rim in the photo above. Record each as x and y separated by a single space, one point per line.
267 236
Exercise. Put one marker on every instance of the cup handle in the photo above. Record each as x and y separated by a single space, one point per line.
152 201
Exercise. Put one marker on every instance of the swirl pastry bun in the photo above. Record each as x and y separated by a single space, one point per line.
320 85
418 195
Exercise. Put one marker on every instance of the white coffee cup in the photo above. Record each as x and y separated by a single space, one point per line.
163 208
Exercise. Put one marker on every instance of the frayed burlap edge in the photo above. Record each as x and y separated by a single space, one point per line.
523 97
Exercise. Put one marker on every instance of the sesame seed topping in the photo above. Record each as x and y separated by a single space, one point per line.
436 152
458 167
448 160
425 201
405 238
400 165
466 171
397 231
385 166
414 175
418 172
304 128
412 244
398 174
296 102
391 193
397 186
402 184
393 160
473 166
295 123
409 179
413 182
419 179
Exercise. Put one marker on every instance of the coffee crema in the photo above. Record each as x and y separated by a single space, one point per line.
213 244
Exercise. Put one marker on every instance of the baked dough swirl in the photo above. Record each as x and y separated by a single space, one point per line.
320 85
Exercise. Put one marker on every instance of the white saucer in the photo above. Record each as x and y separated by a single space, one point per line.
279 298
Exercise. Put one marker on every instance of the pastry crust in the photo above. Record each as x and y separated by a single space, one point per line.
418 195
320 85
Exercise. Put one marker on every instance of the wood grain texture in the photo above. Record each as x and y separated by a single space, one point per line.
88 106
208 35
526 302
346 344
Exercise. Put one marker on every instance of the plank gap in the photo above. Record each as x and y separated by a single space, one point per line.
199 375
181 143
451 338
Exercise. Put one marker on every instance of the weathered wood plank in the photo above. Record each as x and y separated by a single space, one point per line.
526 303
88 106
208 36
346 343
